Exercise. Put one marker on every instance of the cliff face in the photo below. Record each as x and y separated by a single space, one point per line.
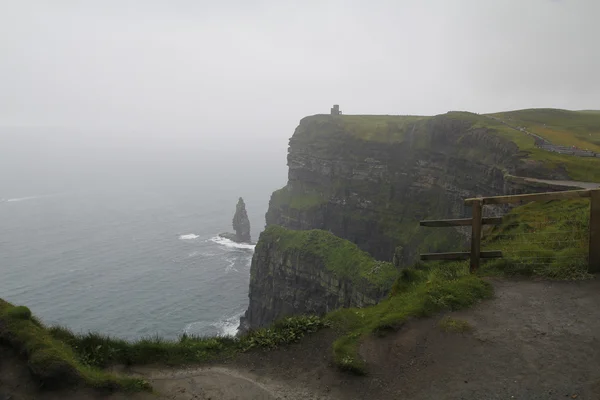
369 180
311 272
372 183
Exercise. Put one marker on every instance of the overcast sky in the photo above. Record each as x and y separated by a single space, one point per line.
257 67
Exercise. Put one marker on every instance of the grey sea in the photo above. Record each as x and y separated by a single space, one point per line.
131 249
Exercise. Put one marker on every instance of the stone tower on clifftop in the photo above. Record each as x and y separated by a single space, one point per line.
335 110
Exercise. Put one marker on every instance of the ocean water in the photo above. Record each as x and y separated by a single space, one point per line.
139 255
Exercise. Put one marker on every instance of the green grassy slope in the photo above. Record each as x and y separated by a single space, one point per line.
542 239
57 357
561 127
377 128
51 361
342 257
420 291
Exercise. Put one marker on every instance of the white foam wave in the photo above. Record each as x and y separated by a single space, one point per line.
229 325
189 236
231 266
18 199
193 328
231 244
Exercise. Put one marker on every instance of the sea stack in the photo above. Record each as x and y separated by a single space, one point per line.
241 223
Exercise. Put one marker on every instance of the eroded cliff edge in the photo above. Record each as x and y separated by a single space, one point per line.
311 272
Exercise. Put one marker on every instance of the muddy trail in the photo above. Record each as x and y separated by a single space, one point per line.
533 340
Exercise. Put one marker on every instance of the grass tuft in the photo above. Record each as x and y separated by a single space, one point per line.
102 351
19 312
448 324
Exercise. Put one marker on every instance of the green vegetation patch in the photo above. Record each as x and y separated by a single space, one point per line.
548 239
103 351
340 256
298 201
583 169
377 128
418 292
57 357
561 127
449 324
51 361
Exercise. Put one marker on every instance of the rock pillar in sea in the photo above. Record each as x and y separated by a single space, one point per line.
241 223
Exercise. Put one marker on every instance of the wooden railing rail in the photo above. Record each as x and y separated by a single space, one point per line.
477 221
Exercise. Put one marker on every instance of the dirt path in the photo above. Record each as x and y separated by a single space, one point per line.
218 382
574 184
534 340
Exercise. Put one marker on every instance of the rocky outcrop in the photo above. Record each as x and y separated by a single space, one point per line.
310 272
370 179
241 225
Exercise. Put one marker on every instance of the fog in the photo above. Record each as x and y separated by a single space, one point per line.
130 85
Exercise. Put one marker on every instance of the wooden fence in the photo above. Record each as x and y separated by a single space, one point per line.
477 221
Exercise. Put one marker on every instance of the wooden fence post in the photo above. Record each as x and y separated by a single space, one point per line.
476 235
594 255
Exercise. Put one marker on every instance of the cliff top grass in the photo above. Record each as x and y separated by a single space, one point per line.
377 128
339 256
561 127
